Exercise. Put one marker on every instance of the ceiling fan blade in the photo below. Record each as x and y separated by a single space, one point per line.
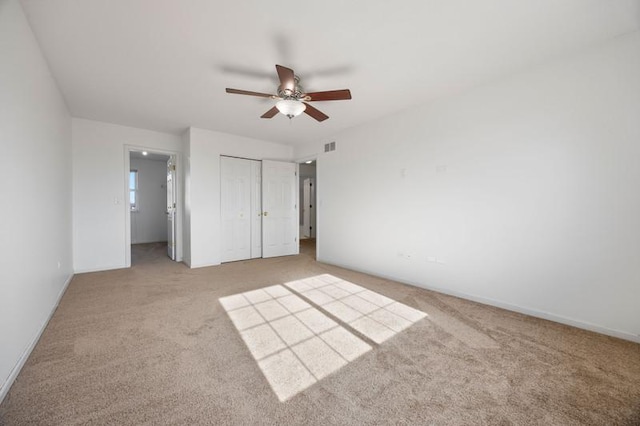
287 78
270 114
315 113
329 95
247 92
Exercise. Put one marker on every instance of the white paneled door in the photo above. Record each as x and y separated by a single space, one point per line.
256 209
236 211
279 209
171 207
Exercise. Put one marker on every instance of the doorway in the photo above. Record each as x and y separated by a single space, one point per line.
308 207
153 208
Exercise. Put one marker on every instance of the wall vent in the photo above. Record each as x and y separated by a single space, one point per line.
331 146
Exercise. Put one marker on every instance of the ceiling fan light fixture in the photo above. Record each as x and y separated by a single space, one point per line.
291 99
290 107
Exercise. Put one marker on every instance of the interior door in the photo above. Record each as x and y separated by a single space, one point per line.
256 209
171 207
279 209
235 203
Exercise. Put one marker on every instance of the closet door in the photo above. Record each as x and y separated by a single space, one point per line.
279 209
236 211
256 209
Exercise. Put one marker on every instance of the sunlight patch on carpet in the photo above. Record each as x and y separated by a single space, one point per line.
372 314
295 344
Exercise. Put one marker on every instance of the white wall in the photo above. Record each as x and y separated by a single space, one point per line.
523 193
149 222
35 230
202 213
99 228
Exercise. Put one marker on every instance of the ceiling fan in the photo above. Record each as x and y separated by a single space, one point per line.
292 99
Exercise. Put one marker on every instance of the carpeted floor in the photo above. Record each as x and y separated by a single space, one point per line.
153 345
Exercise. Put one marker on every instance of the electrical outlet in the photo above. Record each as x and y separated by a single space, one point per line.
59 264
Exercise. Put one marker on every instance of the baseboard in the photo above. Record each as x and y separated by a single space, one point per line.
112 267
538 314
202 265
509 307
4 390
98 269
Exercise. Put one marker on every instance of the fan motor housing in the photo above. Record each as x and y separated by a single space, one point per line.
297 93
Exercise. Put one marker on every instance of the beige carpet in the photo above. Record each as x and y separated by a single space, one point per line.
154 345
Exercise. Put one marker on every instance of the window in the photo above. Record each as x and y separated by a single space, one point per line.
133 190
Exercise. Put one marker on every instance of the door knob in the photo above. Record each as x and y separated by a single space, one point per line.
264 214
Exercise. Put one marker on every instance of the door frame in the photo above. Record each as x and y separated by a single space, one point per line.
318 205
127 207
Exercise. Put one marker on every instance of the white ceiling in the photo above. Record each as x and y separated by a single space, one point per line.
164 64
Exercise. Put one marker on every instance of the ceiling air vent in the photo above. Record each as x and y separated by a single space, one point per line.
331 146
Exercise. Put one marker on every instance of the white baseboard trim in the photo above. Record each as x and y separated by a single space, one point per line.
98 269
112 267
203 265
509 307
4 390
538 314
